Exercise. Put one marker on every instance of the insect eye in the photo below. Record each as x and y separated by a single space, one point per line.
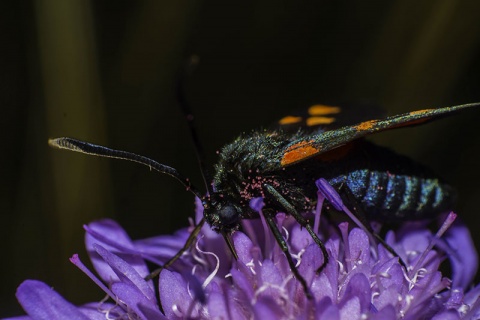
228 214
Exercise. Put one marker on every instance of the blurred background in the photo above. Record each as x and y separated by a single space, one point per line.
105 72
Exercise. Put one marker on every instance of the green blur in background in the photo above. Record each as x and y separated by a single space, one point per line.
105 71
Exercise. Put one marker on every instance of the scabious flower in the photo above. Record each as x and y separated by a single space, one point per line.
362 280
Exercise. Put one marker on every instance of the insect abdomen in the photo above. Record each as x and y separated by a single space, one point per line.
387 196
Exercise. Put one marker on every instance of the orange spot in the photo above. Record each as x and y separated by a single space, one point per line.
298 151
414 113
320 110
290 120
314 121
367 125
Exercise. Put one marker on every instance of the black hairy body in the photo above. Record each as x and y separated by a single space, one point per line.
387 186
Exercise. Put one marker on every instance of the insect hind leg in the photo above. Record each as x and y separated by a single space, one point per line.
347 196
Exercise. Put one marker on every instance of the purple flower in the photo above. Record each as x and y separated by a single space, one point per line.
361 281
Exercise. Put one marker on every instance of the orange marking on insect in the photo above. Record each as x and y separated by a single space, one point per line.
410 123
314 121
290 120
336 154
298 152
367 125
320 110
413 113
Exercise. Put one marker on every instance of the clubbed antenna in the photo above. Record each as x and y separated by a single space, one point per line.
101 151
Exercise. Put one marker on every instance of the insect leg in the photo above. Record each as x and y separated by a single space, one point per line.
347 194
180 252
228 241
277 197
269 216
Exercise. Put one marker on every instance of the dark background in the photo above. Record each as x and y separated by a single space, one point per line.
105 71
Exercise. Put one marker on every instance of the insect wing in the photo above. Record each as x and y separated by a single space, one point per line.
311 146
320 117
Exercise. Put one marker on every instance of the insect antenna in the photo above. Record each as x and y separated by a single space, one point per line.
187 112
189 67
101 151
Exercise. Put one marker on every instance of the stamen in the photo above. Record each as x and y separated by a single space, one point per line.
79 264
318 212
196 257
336 201
446 224
346 247
177 311
251 266
298 256
215 271
266 231
473 310
265 286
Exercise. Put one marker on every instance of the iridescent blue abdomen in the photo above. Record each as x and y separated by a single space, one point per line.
399 196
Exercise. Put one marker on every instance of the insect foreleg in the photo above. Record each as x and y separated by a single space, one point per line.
180 252
289 209
269 216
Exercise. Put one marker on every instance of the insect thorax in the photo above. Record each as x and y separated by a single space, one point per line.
252 161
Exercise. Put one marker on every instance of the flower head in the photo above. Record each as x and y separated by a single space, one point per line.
362 280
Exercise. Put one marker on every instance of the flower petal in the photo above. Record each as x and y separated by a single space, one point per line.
126 273
111 236
358 287
447 315
326 310
243 284
359 245
464 265
267 308
387 313
173 294
223 307
42 302
136 301
351 309
243 246
99 310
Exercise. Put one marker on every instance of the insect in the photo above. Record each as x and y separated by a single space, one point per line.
282 165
